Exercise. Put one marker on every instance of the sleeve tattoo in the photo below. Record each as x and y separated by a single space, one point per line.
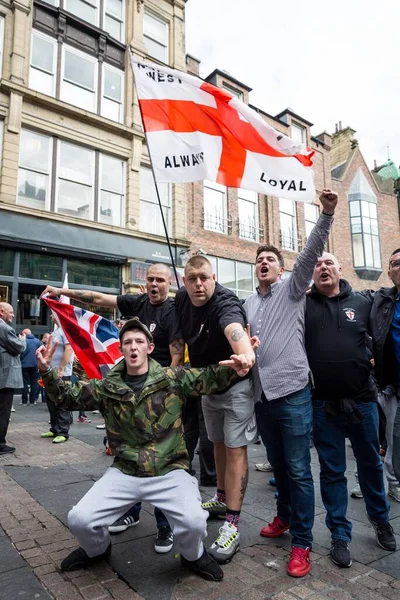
85 297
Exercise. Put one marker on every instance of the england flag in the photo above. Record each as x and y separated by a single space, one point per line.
197 131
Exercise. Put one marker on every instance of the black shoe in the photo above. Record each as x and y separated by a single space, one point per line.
205 566
78 559
164 540
384 535
340 553
7 449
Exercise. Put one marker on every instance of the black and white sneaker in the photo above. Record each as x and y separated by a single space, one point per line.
123 523
340 553
164 540
384 535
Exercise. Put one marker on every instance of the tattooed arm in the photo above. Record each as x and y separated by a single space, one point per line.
240 344
85 296
176 349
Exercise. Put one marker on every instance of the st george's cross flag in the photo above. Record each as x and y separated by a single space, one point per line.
197 131
94 339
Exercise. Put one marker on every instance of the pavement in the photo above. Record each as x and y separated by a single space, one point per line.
42 481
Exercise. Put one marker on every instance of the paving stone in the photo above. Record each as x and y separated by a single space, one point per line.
20 584
10 558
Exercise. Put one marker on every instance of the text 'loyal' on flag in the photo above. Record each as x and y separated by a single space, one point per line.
197 131
93 338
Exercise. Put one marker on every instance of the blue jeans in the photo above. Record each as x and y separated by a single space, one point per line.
329 438
161 519
285 428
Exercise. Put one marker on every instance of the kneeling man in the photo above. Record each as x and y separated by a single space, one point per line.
141 405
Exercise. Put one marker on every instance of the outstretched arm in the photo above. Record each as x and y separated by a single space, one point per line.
85 296
307 259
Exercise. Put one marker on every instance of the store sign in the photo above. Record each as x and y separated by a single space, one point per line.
139 271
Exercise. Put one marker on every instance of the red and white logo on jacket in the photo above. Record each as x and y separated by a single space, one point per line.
350 314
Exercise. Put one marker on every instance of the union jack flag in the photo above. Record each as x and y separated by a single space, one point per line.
93 338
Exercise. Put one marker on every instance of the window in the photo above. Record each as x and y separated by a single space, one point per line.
1 45
237 93
237 276
7 258
84 9
364 224
114 18
40 266
83 182
298 133
113 82
215 207
150 216
248 215
155 37
287 214
112 186
78 78
75 183
43 64
311 214
34 170
89 273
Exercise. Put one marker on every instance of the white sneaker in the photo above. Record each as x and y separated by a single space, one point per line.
264 467
95 412
103 426
226 545
394 491
356 492
13 409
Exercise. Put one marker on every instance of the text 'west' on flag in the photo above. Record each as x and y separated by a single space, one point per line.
197 131
93 338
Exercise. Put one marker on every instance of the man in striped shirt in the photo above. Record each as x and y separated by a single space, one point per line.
281 378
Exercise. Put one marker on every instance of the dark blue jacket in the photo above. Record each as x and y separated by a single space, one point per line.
28 357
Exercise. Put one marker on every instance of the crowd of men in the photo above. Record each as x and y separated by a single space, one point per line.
304 368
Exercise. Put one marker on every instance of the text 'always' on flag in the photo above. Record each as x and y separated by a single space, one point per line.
197 131
93 338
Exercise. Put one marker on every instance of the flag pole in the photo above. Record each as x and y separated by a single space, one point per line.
158 198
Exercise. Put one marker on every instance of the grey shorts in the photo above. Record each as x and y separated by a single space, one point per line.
229 417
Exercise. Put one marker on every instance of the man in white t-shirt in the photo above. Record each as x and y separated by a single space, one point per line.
62 360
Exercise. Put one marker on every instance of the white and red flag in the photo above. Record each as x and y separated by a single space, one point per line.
197 131
94 339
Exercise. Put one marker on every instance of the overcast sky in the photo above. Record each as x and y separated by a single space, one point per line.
328 60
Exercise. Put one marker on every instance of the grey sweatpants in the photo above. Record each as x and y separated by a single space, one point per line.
176 494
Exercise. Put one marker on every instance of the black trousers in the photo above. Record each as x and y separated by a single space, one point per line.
60 420
195 431
6 401
31 386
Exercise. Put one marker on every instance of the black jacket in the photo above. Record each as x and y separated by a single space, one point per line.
382 312
335 336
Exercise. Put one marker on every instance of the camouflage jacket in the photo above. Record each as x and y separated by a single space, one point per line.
145 431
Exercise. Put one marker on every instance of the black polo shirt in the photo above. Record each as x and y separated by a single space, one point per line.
159 318
203 327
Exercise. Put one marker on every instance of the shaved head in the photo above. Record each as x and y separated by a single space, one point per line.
329 256
158 282
327 275
6 312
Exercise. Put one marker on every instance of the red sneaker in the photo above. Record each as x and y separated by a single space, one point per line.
299 562
275 528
